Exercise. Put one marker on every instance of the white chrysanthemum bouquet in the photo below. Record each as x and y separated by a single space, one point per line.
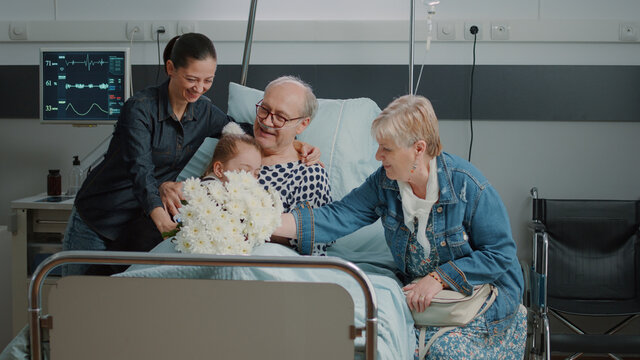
226 218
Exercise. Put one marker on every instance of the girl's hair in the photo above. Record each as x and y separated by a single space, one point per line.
406 120
227 148
182 48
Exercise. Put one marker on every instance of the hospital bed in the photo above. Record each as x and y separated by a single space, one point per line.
341 131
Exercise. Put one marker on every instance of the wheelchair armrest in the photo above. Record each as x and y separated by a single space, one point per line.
537 226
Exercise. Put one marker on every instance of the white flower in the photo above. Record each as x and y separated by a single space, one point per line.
229 218
216 190
191 184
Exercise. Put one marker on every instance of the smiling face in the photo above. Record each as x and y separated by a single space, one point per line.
286 99
396 160
190 82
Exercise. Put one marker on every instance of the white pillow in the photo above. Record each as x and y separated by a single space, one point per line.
199 161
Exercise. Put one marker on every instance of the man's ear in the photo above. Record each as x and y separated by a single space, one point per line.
303 125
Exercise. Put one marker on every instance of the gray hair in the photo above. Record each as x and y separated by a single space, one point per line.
310 102
406 120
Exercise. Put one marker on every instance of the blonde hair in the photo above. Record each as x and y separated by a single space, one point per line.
227 148
408 119
310 105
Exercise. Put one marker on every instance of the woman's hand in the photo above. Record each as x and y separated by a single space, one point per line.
171 195
419 294
162 220
308 154
286 231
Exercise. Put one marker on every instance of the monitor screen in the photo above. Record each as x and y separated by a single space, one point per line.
83 85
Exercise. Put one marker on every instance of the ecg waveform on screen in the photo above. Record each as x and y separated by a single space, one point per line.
70 105
89 86
87 62
83 86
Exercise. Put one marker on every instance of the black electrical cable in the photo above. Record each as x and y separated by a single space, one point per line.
474 31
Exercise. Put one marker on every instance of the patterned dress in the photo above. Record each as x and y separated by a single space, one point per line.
472 341
298 183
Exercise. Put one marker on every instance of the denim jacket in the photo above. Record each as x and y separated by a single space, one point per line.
470 223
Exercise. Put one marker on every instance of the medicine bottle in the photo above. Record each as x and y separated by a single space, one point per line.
54 183
76 176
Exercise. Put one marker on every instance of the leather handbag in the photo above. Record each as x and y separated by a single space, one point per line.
449 309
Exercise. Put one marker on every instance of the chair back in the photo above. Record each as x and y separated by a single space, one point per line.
593 256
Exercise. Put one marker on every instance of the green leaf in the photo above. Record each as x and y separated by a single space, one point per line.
168 234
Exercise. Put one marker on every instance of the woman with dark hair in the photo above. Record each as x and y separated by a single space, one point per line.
158 131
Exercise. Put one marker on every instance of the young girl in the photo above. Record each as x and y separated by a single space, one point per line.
234 152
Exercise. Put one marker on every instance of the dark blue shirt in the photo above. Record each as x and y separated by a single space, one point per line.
149 146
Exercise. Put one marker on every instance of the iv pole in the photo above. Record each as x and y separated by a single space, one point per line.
249 39
247 42
412 34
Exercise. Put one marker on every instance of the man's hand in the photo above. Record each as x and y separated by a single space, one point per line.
162 220
171 195
308 154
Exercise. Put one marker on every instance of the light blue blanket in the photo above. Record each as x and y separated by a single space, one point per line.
396 339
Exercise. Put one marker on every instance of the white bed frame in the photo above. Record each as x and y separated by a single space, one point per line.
97 317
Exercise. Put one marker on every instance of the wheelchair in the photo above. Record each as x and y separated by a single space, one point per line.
586 262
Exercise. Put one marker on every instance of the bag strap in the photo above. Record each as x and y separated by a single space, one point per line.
494 294
423 348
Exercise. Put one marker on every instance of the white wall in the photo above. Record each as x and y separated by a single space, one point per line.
578 159
305 9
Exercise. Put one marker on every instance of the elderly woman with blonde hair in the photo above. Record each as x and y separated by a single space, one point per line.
445 225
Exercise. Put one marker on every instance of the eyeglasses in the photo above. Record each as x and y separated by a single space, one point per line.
277 120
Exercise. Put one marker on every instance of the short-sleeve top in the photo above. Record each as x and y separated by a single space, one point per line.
297 183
